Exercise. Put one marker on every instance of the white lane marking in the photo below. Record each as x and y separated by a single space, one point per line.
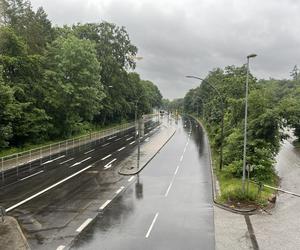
77 163
112 137
176 170
47 189
83 225
120 189
105 157
181 158
89 151
120 149
61 247
54 159
129 138
118 139
108 165
171 183
104 205
32 175
131 143
105 144
146 134
130 179
151 226
66 161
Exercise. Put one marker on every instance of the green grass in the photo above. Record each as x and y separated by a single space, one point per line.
231 187
26 147
296 143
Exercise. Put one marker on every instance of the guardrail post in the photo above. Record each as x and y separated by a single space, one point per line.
30 160
2 168
40 156
59 148
50 151
17 164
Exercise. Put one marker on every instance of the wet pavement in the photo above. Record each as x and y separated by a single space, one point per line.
167 206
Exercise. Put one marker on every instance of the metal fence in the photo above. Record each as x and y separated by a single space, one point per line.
48 152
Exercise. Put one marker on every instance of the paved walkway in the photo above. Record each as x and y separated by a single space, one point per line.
277 230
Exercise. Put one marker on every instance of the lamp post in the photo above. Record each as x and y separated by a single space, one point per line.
245 127
222 111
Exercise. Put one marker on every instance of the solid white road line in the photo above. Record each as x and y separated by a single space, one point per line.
61 247
130 179
131 142
120 189
120 149
151 226
104 205
108 165
105 144
77 163
47 189
83 225
105 157
66 161
32 175
89 151
129 138
54 159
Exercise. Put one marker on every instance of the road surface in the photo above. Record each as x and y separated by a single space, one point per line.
168 206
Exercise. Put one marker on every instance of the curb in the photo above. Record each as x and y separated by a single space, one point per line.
140 169
213 177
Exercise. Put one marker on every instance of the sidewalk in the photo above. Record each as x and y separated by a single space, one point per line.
130 166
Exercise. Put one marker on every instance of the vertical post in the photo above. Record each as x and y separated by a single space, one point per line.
245 128
17 164
40 156
73 145
50 152
30 160
139 138
2 169
66 149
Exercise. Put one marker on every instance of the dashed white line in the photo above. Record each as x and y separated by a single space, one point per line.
89 151
61 247
47 189
77 163
130 179
32 175
120 189
105 157
181 158
104 205
131 142
118 139
176 170
108 165
129 138
112 137
171 183
83 225
120 149
151 226
66 161
54 159
105 144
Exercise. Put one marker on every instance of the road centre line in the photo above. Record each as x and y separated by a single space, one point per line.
54 159
129 138
118 139
171 183
84 224
105 144
181 158
151 226
104 205
77 163
108 165
131 142
89 151
120 189
176 170
32 175
120 149
112 137
61 247
47 189
66 161
130 179
105 157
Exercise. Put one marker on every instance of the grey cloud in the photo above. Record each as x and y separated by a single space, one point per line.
177 38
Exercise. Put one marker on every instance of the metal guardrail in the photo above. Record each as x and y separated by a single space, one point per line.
63 147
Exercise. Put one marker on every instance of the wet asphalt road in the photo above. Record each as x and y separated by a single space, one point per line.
168 206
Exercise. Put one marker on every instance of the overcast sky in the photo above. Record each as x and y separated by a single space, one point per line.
177 38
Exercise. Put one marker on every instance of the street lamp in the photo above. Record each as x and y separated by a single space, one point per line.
245 128
222 110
